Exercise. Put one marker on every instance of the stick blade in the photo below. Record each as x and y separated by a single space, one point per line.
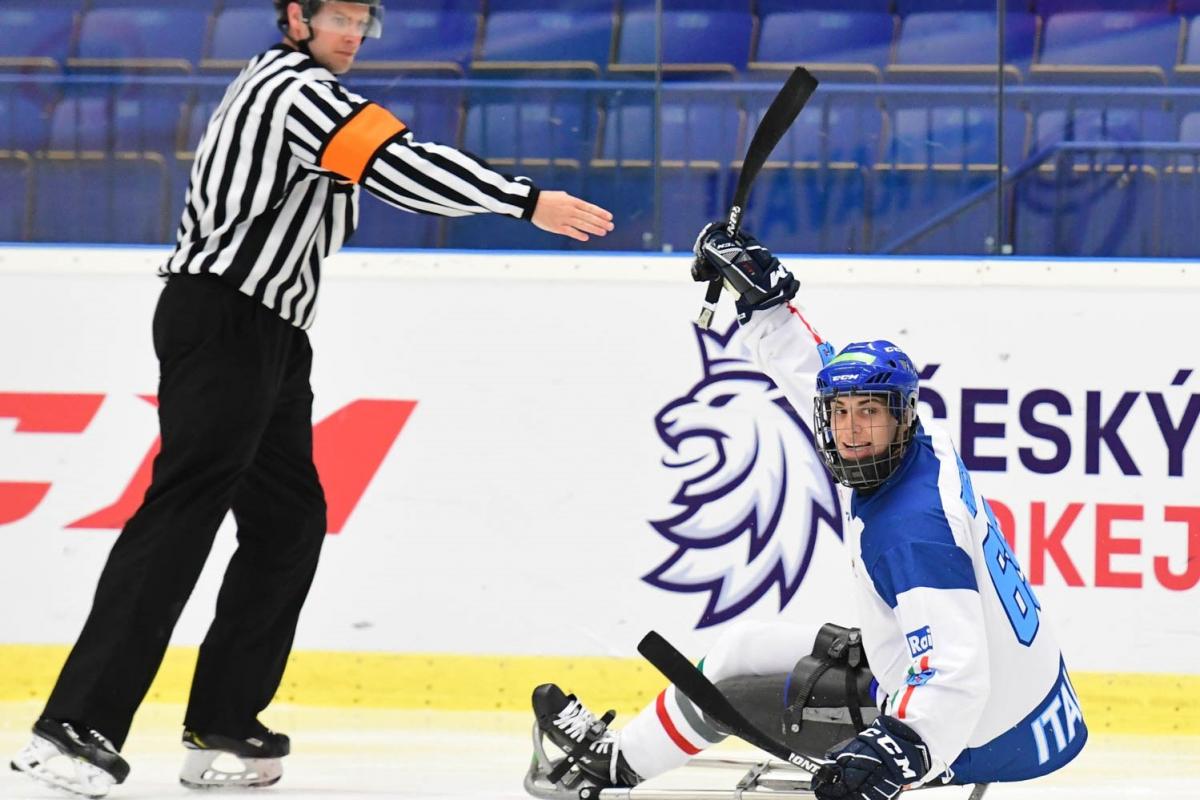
779 116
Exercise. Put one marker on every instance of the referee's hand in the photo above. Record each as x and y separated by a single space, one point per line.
564 214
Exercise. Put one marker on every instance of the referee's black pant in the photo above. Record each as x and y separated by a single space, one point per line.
235 409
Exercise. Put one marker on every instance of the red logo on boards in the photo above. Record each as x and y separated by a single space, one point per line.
349 446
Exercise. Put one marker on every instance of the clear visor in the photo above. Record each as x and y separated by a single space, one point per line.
349 19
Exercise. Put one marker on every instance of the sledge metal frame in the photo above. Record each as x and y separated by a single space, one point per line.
763 779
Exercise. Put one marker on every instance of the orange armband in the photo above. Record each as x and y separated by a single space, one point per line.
352 145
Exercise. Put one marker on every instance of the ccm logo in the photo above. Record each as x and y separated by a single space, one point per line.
349 446
920 641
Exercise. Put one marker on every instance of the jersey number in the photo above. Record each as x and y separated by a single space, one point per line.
1015 594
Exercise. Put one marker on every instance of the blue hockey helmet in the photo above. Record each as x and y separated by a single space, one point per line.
878 370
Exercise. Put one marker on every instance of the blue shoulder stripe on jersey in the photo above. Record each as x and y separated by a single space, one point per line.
913 565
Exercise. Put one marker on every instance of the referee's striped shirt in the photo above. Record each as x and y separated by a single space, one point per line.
274 187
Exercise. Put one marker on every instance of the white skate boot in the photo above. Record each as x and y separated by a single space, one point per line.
72 757
217 762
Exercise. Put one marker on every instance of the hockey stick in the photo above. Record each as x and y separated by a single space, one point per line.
780 115
708 698
676 668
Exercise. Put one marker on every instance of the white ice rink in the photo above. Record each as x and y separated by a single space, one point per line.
340 754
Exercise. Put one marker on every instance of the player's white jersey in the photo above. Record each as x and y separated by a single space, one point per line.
953 633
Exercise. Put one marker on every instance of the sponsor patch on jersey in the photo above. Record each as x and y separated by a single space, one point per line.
919 641
920 678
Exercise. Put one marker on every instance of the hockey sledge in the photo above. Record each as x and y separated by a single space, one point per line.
761 778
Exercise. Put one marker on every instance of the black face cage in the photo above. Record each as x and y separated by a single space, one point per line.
869 472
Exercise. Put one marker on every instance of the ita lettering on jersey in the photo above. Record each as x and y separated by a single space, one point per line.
919 641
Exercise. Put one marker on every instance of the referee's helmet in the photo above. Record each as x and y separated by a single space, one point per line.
371 28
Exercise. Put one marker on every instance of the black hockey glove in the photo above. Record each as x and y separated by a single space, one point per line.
747 267
877 763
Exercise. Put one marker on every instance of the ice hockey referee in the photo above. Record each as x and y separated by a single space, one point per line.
273 192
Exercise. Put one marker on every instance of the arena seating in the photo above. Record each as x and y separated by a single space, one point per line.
434 38
699 38
898 151
571 38
239 32
840 40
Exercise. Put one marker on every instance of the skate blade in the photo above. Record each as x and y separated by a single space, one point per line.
201 771
573 785
40 760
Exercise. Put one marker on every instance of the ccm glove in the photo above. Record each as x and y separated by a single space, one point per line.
876 764
747 268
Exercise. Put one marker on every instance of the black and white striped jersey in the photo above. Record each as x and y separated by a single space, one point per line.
274 187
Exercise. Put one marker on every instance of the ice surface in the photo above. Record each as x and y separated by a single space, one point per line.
344 754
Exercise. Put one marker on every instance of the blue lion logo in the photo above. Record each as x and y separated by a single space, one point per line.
753 491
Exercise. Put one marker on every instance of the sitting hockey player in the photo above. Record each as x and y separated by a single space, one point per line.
969 684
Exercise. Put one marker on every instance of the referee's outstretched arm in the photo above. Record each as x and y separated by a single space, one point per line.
332 129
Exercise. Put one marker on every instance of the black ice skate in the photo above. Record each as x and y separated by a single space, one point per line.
591 759
72 757
259 757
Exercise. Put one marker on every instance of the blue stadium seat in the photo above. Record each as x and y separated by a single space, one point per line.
432 114
700 38
130 35
204 6
178 172
16 170
809 209
844 130
907 196
238 34
531 125
427 37
1116 190
1109 47
85 199
385 226
1188 68
1047 7
693 127
948 46
692 196
196 121
954 134
854 6
627 190
699 136
573 38
1101 210
970 231
1180 183
935 157
113 122
1189 127
812 195
1100 124
845 41
906 7
35 34
24 118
